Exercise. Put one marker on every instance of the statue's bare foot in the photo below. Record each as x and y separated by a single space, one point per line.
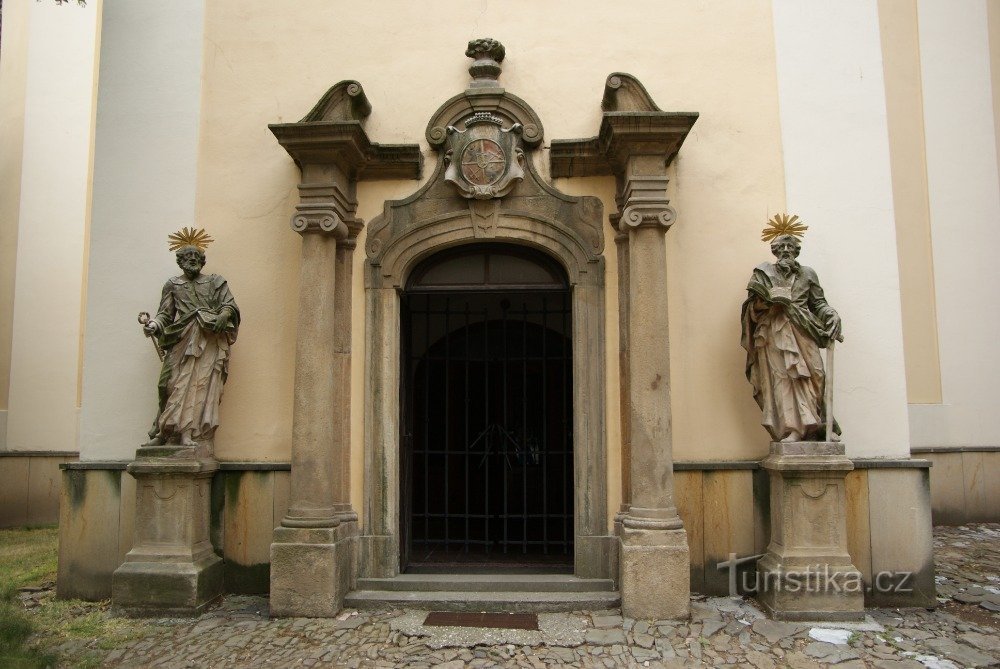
187 441
792 436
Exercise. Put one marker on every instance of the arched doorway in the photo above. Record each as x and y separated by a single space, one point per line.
486 478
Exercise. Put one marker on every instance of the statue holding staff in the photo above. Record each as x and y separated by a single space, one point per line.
786 321
195 327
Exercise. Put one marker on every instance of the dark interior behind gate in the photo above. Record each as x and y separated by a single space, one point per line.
487 447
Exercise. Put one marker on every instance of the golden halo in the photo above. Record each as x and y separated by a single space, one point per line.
189 237
783 224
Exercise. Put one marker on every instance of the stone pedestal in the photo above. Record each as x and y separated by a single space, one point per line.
807 573
172 568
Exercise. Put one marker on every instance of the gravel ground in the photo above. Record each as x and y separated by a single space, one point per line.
963 632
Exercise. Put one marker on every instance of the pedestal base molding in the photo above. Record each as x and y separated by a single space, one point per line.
172 568
807 572
312 569
811 592
654 574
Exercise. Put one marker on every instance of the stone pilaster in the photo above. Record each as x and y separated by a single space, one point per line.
621 244
636 143
172 568
807 573
314 552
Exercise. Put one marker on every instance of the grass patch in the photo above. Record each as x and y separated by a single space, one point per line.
64 619
27 557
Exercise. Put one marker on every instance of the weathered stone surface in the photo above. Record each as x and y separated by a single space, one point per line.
961 653
985 642
654 579
606 637
828 652
775 630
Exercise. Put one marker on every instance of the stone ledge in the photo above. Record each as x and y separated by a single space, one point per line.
891 463
39 454
920 450
681 466
112 465
240 466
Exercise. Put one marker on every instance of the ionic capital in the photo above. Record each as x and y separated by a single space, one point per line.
642 200
319 221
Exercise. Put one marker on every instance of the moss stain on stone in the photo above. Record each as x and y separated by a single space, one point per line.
217 506
233 482
114 477
76 486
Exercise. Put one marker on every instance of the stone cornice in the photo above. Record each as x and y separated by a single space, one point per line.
621 135
631 125
346 145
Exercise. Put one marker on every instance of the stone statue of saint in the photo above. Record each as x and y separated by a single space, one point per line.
195 327
786 321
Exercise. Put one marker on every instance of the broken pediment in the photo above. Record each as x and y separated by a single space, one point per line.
485 185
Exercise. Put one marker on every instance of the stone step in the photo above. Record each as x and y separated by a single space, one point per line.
487 583
493 602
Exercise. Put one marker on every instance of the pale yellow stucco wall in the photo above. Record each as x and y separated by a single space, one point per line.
49 103
13 80
266 63
904 108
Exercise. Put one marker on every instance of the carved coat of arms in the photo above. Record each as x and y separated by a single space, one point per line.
484 161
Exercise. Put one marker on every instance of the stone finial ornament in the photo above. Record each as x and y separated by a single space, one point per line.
487 53
786 321
194 329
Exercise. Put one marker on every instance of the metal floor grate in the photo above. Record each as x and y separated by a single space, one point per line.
507 621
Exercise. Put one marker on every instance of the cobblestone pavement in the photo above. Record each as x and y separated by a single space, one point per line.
963 632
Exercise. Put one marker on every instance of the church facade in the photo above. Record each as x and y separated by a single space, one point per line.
489 294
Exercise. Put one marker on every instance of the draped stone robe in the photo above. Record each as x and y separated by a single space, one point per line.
784 327
196 363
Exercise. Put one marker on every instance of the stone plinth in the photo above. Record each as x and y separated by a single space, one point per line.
316 568
807 573
654 573
172 568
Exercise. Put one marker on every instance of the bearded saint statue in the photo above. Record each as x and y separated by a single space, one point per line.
194 329
786 321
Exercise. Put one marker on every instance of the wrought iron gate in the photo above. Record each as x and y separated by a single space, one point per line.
487 466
